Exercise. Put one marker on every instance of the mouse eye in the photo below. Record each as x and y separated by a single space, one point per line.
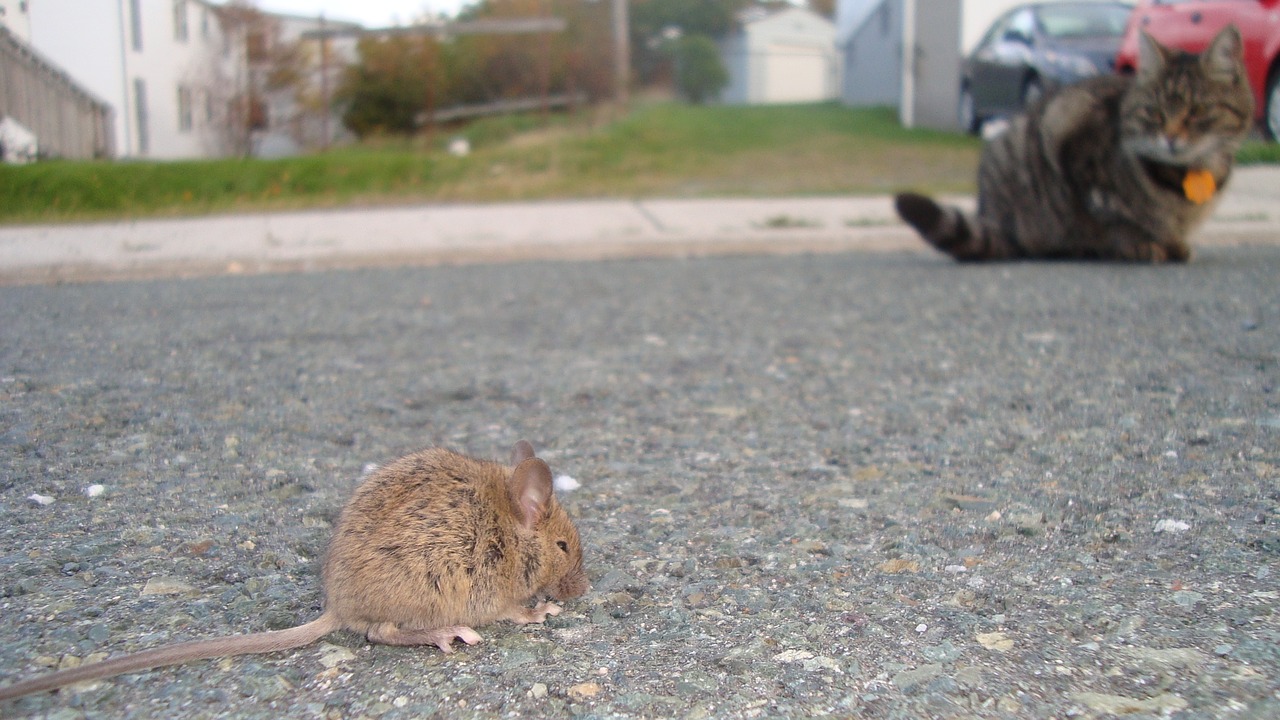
564 546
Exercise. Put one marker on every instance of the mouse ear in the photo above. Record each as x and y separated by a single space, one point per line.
522 451
531 490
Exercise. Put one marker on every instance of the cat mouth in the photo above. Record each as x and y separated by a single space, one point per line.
1165 175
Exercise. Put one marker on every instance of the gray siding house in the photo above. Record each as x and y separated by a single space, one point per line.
787 56
907 54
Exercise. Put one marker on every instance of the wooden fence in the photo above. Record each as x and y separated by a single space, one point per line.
67 121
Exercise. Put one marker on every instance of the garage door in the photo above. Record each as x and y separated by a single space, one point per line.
794 74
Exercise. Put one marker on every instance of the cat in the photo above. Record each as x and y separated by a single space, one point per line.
1112 168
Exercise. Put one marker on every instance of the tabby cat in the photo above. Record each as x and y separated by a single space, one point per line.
1112 168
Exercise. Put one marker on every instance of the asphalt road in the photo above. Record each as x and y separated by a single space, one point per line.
870 484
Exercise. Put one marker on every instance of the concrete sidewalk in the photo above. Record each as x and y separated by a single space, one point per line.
589 229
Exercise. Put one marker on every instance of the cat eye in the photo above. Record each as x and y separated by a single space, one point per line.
564 546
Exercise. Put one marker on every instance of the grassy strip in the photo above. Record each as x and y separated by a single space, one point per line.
657 150
662 149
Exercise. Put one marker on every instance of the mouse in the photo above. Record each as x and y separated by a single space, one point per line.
429 546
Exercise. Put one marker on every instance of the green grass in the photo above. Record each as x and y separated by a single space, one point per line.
661 149
1256 152
657 150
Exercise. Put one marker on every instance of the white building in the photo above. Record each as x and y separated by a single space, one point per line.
15 15
166 66
788 56
187 78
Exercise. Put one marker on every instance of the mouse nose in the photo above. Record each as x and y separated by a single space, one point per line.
573 584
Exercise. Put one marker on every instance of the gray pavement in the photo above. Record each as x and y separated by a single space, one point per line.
1249 212
861 484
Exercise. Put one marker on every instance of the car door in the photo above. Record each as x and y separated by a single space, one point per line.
1011 56
984 68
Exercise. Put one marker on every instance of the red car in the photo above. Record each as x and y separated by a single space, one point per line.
1191 24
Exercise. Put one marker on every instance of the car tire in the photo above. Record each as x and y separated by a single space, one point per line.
966 114
1271 113
1032 91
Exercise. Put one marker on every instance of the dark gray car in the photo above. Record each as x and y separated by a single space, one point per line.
1035 48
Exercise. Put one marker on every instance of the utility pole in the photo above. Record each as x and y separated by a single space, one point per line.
621 55
324 85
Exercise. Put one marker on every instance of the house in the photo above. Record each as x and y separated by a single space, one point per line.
166 66
298 115
873 39
15 16
185 77
784 56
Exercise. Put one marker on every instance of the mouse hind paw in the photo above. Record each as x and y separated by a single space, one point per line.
536 614
440 637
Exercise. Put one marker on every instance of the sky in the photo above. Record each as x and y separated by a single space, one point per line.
370 13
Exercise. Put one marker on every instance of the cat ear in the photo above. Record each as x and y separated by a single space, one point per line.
522 451
531 491
1222 59
1152 57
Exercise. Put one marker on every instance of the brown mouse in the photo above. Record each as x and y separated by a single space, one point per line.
428 546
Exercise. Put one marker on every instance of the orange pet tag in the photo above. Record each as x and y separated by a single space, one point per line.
1199 186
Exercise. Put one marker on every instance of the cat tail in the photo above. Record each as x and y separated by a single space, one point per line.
947 228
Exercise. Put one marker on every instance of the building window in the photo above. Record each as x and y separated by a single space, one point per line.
185 111
204 22
209 111
180 20
140 112
135 23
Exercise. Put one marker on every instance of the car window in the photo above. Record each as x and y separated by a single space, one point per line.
1023 23
996 31
1078 21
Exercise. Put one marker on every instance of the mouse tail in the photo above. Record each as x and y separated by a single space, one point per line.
263 642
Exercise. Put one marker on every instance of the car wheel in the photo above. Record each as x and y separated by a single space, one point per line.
1032 91
966 113
1271 117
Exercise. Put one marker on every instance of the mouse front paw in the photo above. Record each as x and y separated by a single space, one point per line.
536 614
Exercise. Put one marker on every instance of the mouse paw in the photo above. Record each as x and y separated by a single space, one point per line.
536 614
440 637
443 637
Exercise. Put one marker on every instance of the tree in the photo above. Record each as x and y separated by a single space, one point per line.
700 73
654 22
386 90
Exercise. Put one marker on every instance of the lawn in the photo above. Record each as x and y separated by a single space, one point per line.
657 150
661 149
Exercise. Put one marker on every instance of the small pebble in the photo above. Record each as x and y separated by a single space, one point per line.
1171 526
39 499
564 484
95 490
